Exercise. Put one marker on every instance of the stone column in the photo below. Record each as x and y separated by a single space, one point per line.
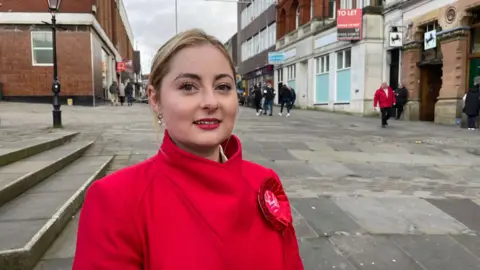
454 46
411 55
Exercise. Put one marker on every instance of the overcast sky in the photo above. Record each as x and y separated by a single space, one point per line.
153 22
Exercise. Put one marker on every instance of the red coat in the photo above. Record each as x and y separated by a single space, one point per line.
381 98
177 211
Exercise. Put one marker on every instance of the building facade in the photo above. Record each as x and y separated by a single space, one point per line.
232 48
328 73
439 57
92 37
256 35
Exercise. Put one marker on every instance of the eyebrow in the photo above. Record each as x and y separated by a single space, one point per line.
196 77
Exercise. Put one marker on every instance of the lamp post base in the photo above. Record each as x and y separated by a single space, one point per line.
57 118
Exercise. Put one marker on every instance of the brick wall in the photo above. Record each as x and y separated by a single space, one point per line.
73 6
21 78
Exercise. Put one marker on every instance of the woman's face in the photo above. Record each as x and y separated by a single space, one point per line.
198 98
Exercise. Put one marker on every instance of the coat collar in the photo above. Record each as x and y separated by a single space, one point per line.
231 154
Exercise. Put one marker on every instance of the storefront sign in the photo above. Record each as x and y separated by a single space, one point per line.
349 24
430 40
275 58
395 39
121 66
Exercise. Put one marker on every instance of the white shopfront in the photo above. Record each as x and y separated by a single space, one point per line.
335 75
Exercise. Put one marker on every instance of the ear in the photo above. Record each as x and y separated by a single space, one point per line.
154 99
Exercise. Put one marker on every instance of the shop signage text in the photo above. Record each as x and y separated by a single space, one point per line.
349 24
276 58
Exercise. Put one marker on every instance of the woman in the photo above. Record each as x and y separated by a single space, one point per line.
197 204
472 106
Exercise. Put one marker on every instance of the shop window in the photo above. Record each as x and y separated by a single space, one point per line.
42 48
322 64
291 72
280 75
344 59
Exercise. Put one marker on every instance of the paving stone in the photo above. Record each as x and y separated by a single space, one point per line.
320 254
464 210
298 169
469 242
302 229
55 264
374 253
425 217
277 154
437 252
373 216
329 168
325 217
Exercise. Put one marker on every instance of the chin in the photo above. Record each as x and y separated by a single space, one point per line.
209 139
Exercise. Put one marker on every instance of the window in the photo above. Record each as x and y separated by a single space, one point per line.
312 10
322 64
280 75
291 72
332 10
346 4
344 59
42 48
297 17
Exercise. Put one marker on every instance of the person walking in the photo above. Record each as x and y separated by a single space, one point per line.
129 93
269 95
385 98
257 99
472 106
401 96
287 98
113 90
122 93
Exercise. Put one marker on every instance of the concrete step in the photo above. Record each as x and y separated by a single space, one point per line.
30 223
14 151
17 177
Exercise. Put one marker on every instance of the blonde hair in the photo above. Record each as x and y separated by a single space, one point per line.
186 39
161 61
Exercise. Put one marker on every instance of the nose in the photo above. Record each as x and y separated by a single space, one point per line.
209 99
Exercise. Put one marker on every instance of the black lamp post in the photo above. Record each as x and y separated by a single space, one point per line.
54 7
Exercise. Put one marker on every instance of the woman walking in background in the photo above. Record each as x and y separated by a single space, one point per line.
472 106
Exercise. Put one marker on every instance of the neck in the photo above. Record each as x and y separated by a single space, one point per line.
212 154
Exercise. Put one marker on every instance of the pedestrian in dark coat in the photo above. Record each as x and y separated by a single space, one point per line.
472 106
401 96
257 99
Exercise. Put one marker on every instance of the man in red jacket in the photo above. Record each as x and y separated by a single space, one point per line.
385 98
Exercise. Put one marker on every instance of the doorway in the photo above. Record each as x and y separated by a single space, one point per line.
394 68
430 84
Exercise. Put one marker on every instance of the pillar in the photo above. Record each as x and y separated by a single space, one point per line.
411 55
454 46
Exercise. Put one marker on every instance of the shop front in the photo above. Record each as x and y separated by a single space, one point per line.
261 75
440 61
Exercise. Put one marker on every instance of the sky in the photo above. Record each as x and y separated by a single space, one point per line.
153 22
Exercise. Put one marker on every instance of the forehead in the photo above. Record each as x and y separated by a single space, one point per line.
201 60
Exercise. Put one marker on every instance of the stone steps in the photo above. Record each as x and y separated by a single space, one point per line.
14 151
40 194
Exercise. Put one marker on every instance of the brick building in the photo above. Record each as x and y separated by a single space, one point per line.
439 57
93 36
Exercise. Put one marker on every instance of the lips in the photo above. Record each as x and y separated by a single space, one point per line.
207 121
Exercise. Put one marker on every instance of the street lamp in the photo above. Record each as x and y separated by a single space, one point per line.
54 7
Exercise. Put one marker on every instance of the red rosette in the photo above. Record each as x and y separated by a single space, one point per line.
274 204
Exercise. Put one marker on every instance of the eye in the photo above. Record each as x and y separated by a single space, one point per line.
187 86
224 87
